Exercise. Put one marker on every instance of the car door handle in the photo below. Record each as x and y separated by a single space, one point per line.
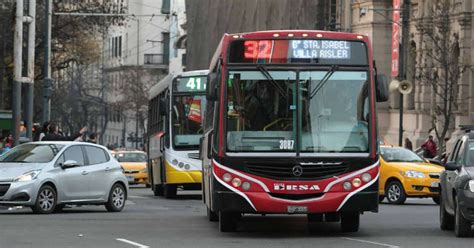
85 172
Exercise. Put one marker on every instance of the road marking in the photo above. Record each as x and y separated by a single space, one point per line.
133 243
371 242
138 197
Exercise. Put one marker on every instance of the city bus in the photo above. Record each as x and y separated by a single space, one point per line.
291 127
176 106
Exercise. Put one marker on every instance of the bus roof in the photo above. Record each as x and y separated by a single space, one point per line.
166 81
305 34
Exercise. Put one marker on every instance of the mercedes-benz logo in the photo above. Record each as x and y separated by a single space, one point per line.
297 170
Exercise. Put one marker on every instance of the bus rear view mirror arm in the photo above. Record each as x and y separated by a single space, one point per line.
381 85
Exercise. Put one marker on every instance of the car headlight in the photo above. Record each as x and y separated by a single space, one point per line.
414 174
28 176
471 185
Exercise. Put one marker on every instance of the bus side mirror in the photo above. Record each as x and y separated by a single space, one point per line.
211 89
381 88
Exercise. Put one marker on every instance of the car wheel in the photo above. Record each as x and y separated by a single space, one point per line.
228 221
350 221
395 193
446 221
59 208
212 216
170 191
45 201
436 199
462 227
117 198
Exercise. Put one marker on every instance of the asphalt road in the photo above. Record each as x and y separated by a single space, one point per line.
149 221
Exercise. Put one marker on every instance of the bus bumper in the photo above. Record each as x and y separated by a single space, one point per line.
263 202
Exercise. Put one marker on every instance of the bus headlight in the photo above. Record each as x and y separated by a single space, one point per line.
181 164
187 166
414 174
227 177
236 182
366 177
347 185
174 162
356 182
246 185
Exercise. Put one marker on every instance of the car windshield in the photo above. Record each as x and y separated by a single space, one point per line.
328 112
130 157
470 154
31 153
398 154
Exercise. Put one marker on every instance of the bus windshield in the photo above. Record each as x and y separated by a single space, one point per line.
325 111
188 104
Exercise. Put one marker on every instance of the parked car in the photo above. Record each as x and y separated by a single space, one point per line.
48 175
457 187
404 174
134 164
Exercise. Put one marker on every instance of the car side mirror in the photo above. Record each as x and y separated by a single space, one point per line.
69 164
451 166
434 161
381 88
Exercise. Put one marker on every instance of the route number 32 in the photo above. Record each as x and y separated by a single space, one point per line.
287 144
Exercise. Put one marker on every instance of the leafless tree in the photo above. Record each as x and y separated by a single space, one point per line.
442 67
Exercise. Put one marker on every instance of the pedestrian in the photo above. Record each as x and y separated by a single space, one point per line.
54 135
408 144
42 132
92 138
429 147
8 143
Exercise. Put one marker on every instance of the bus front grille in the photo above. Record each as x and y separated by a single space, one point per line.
287 171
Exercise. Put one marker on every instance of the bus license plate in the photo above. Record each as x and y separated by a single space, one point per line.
297 209
435 184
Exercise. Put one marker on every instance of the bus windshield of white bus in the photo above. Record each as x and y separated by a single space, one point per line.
325 111
188 104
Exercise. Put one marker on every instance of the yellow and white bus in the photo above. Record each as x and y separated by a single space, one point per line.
176 106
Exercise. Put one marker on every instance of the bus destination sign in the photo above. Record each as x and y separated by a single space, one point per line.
190 84
319 49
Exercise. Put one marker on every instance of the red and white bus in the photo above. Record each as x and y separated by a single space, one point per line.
291 127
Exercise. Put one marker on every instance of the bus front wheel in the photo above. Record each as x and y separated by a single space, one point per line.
350 221
158 189
228 221
170 191
212 216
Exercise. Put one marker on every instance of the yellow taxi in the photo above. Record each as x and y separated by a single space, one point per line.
405 174
134 164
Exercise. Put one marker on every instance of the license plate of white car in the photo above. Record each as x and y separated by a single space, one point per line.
435 184
297 209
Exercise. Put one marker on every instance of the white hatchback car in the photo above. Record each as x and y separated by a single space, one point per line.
48 175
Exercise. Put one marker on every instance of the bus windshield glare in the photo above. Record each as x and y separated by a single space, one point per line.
188 104
325 111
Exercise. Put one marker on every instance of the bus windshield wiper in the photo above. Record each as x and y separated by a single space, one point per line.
323 81
269 77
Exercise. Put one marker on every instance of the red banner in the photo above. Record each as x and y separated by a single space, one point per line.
395 37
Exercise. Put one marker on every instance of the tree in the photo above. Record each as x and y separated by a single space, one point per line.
442 67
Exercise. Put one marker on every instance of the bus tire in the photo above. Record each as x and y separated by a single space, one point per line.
228 221
158 189
212 216
350 221
170 191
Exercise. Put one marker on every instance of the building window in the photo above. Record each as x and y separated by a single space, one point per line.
165 6
166 47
